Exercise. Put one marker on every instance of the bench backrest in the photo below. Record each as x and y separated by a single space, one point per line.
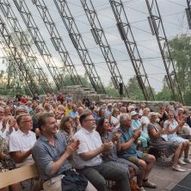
17 175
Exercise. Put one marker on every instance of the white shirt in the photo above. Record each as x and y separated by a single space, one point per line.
145 121
115 122
19 141
88 141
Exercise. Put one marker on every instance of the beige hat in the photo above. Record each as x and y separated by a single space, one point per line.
133 113
153 114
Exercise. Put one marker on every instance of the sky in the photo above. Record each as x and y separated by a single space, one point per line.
174 20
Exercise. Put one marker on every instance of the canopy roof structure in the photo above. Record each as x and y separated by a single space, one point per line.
109 41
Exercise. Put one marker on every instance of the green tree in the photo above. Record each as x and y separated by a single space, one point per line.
180 47
68 81
111 91
134 90
164 95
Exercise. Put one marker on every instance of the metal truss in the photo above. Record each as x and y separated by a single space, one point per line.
188 13
12 51
39 42
79 44
132 49
11 61
101 40
57 40
157 29
25 46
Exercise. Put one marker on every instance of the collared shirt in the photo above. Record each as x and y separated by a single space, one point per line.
73 114
45 154
135 124
125 137
19 141
88 141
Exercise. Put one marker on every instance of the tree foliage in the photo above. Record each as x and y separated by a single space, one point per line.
84 79
135 92
180 48
111 91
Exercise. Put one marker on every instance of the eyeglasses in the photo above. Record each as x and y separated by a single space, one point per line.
26 121
89 119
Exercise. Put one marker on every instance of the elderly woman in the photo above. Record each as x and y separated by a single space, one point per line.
67 127
137 124
157 141
172 127
185 131
106 133
6 163
114 119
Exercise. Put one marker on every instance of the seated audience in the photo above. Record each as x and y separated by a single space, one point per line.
51 154
185 131
127 150
21 143
88 158
6 162
172 127
66 127
137 125
160 144
106 133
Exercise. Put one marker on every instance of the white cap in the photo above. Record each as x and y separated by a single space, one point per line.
133 113
153 114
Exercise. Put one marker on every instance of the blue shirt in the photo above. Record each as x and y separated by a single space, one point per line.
45 154
135 124
126 135
73 114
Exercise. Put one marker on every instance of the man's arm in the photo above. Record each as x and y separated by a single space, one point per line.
15 152
20 156
45 161
126 145
93 153
70 149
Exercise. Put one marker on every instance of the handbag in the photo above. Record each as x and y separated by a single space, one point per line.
73 181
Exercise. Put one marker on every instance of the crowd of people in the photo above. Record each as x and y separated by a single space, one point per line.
80 145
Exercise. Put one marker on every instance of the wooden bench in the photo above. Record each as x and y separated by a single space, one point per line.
26 172
17 175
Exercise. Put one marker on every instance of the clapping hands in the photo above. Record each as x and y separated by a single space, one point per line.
107 146
72 146
137 134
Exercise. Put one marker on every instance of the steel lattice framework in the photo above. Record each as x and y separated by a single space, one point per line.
25 46
127 36
157 28
100 39
79 44
57 40
12 51
39 42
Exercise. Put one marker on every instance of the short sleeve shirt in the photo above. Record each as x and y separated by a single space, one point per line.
45 154
19 141
126 135
88 141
